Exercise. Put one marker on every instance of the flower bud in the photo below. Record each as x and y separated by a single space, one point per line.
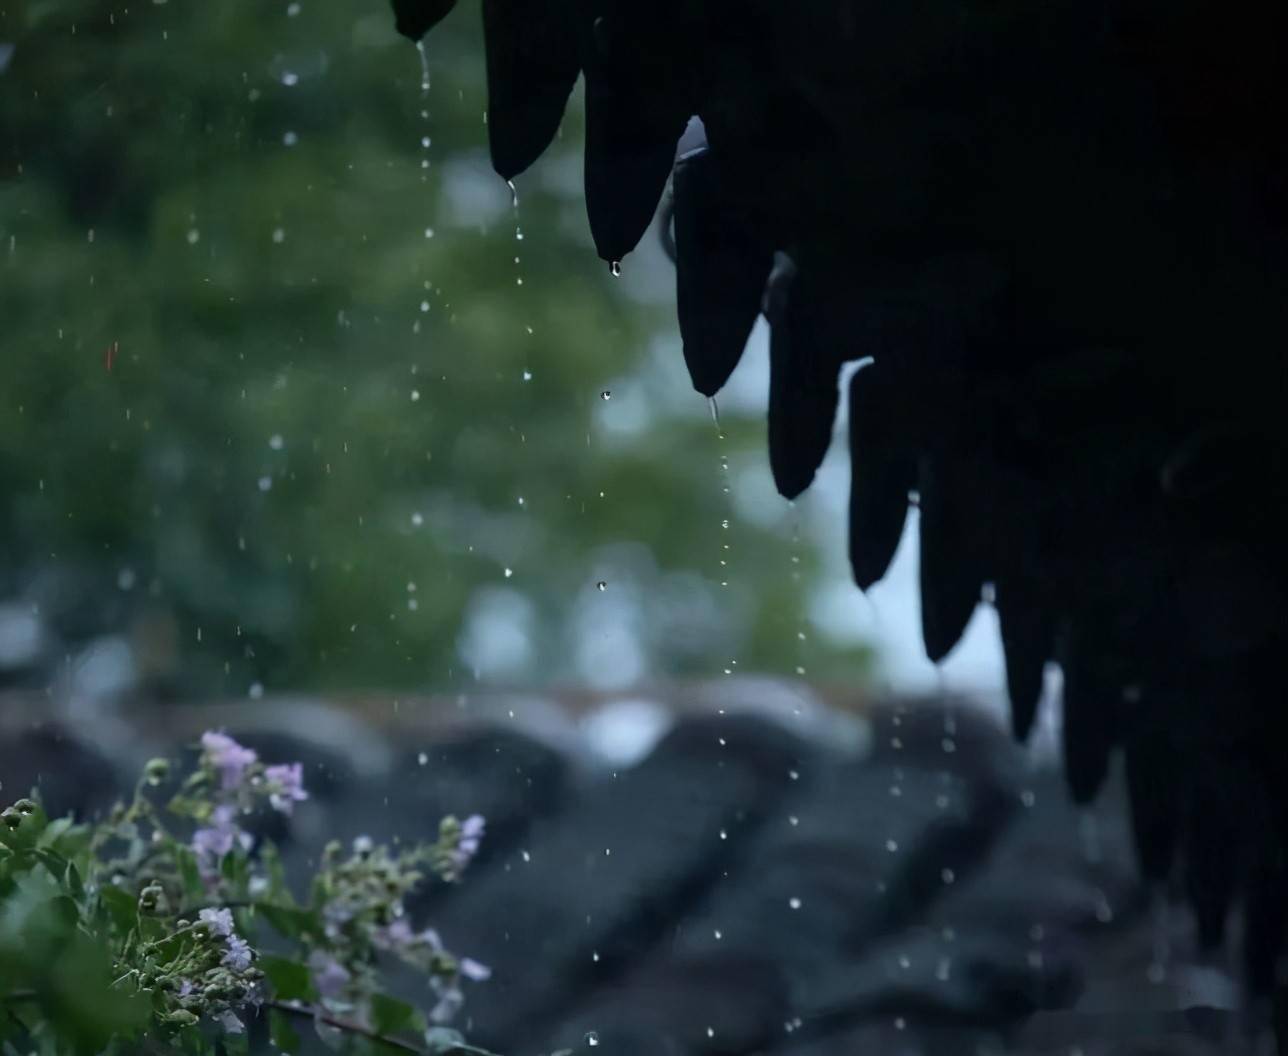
156 771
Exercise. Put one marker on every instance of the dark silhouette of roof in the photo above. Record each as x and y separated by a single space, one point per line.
1058 229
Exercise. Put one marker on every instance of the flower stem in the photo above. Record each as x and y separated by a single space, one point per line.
347 1025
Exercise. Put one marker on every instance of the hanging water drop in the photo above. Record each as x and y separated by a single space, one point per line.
715 412
514 194
615 269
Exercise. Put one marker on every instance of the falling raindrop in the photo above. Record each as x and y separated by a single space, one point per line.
592 1038
509 572
424 65
714 408
794 902
601 585
422 759
615 269
514 194
607 394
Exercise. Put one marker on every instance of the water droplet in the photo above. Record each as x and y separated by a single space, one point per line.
592 1038
417 519
711 1032
514 194
422 759
425 142
794 902
256 690
509 572
607 394
715 411
194 236
718 934
279 236
415 395
526 856
429 232
290 79
615 269
289 139
424 65
265 483
1028 798
900 1023
723 834
948 876
601 585
892 846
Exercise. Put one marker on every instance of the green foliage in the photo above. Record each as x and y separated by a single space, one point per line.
311 404
132 934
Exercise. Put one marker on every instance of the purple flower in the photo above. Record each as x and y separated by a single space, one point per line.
227 757
230 1023
220 921
471 969
330 977
449 997
396 936
215 840
287 782
467 846
238 955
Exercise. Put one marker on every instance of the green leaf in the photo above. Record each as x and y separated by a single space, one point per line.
72 879
289 979
444 1041
282 1032
272 863
122 908
290 922
54 862
54 831
389 1015
189 873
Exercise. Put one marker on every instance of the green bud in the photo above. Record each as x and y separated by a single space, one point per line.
156 771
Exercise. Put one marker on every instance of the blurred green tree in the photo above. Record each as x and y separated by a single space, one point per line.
291 389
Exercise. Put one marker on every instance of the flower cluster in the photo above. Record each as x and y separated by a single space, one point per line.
364 916
170 900
234 782
202 968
